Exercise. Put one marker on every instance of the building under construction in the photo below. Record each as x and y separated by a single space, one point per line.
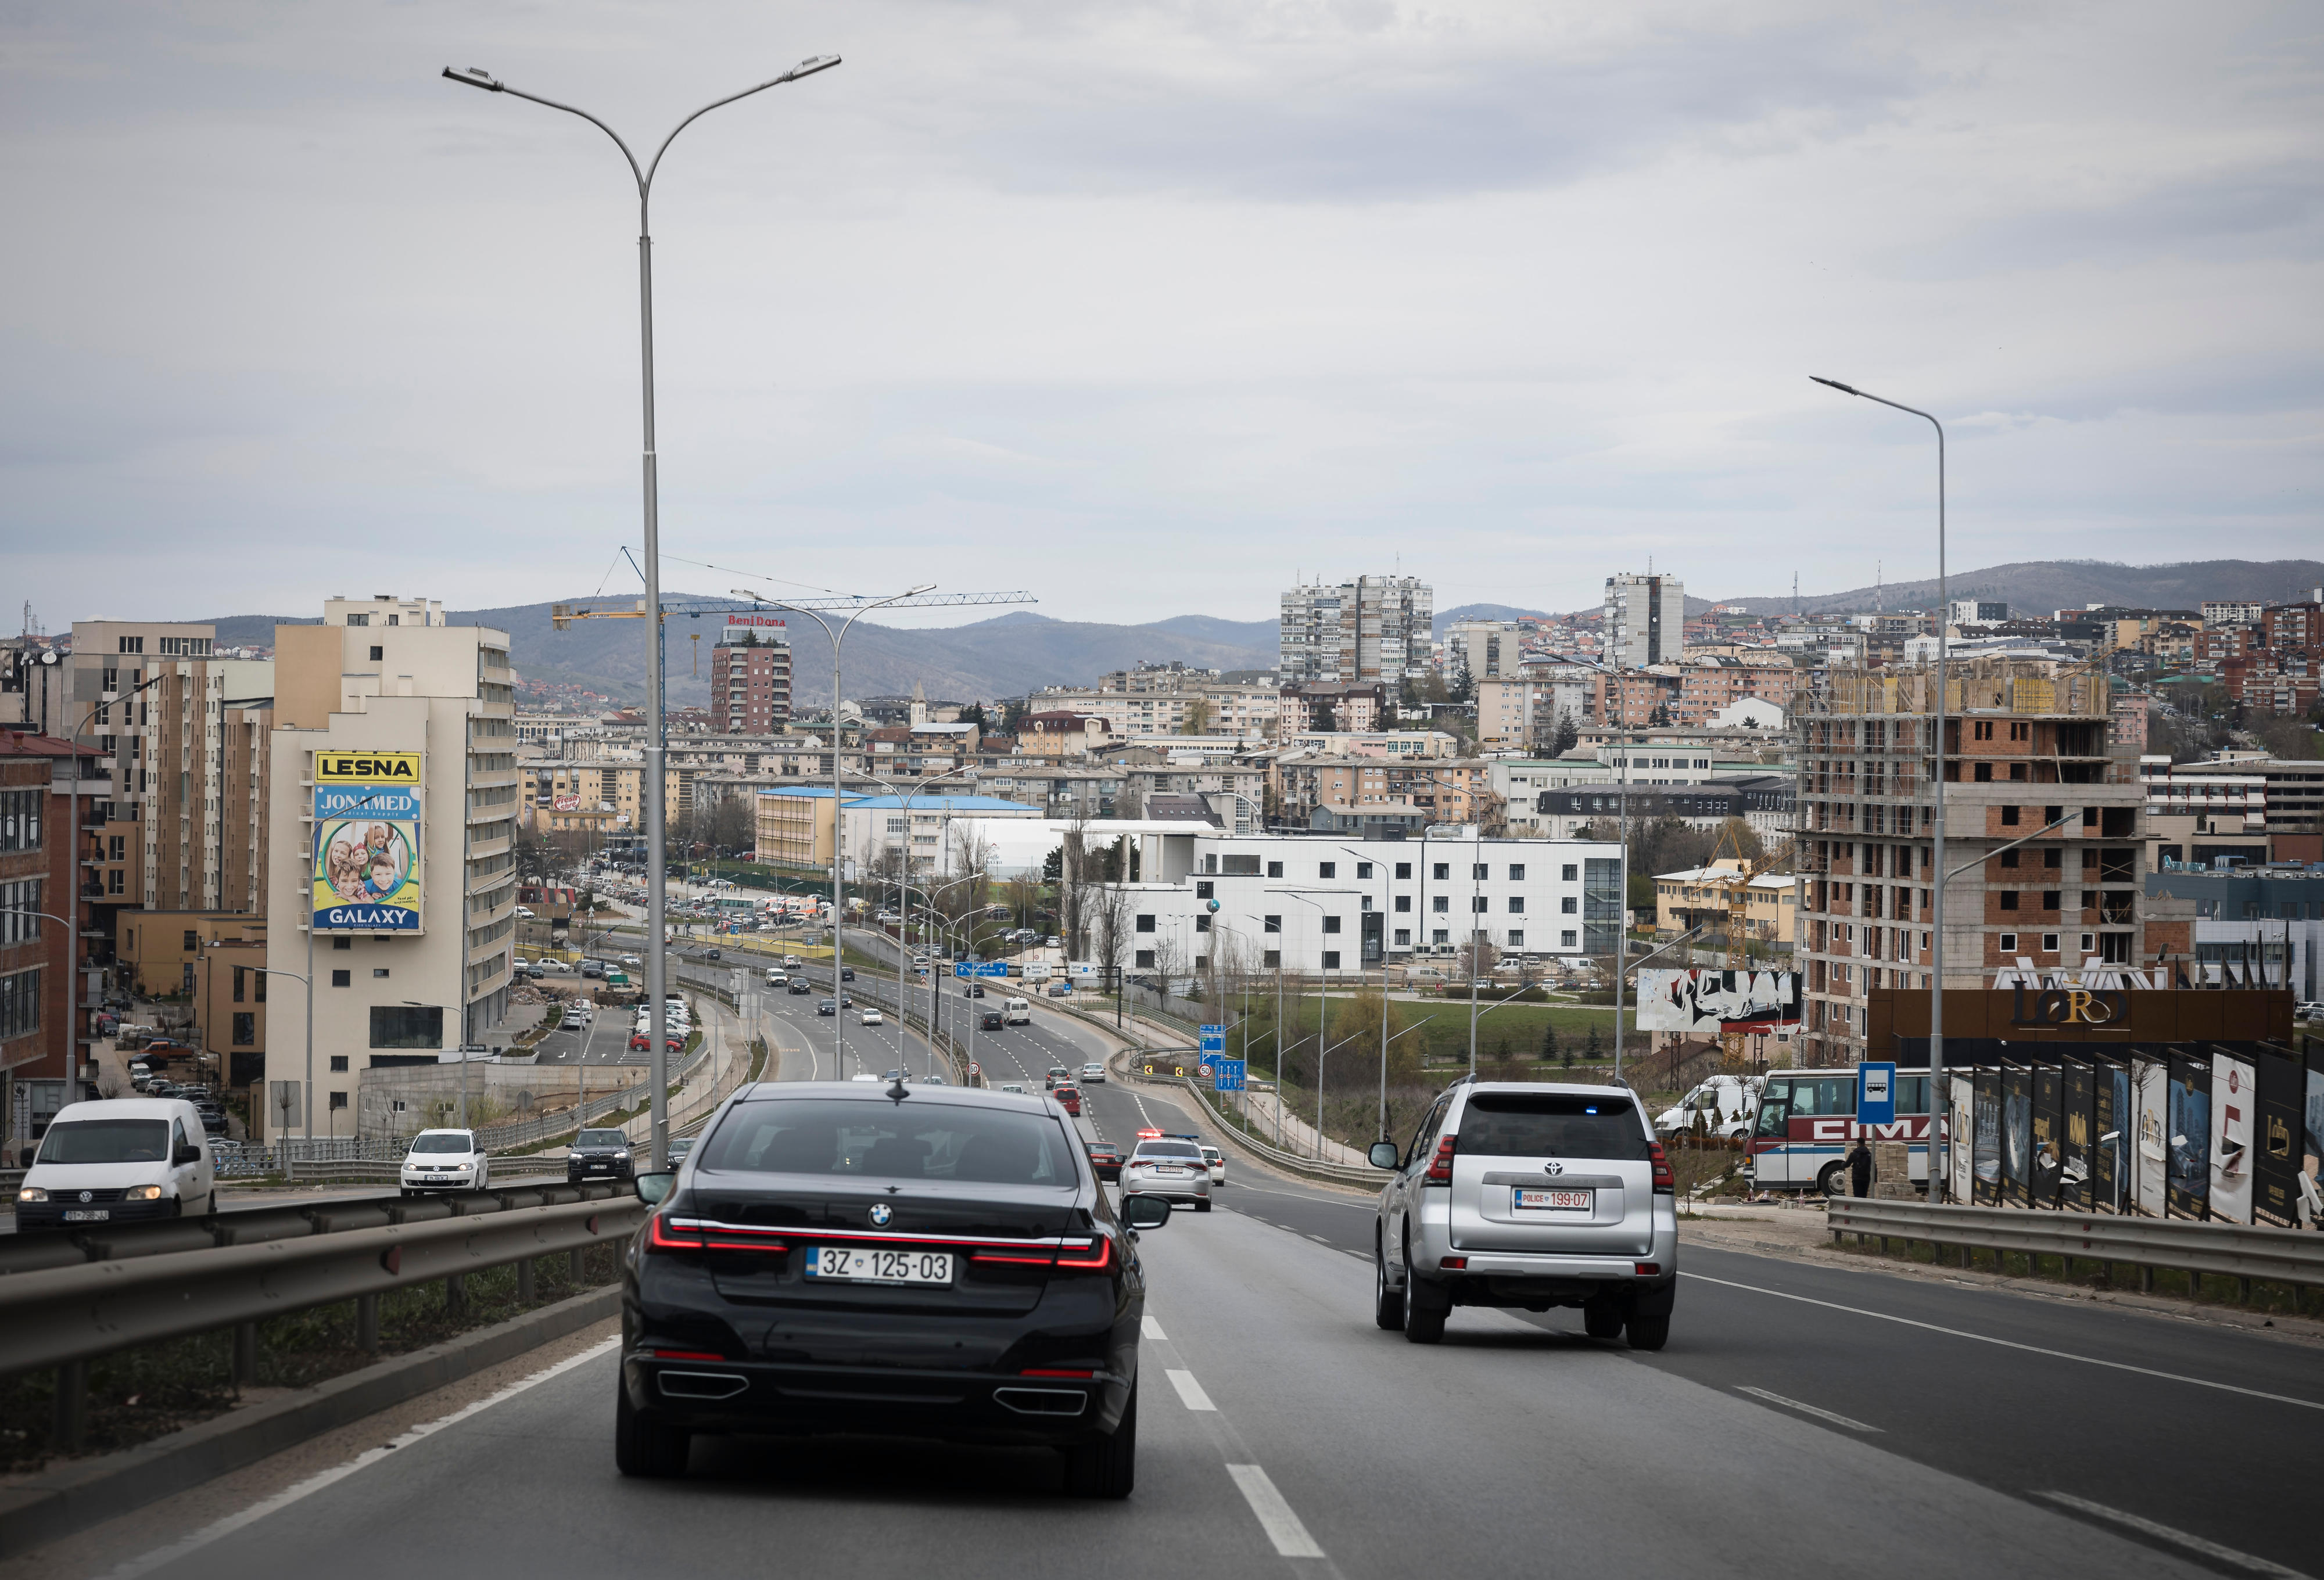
2027 746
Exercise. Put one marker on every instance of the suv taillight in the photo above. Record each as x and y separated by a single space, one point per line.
1663 1184
1440 1167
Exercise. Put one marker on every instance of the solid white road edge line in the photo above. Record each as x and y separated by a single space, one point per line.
1189 1391
2193 1543
1832 1416
2032 1349
1275 1516
369 1457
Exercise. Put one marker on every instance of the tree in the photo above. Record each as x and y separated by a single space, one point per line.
1563 739
1595 1049
973 715
1198 717
1356 1034
1549 1042
1322 719
1464 684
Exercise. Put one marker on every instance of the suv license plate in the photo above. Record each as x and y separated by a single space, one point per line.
1533 1200
842 1264
87 1215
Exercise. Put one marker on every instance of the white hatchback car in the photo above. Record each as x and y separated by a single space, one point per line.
446 1160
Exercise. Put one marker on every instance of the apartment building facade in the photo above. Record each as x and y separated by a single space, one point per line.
1375 629
1440 790
1645 620
50 973
750 676
2027 745
393 827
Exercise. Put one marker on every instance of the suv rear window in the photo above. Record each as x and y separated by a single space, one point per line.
1521 1125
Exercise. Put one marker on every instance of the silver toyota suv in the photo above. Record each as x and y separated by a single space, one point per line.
1528 1195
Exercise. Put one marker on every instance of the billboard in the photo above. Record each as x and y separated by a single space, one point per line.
366 851
1704 1003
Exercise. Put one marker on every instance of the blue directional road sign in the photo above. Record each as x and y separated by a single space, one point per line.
980 967
1227 1075
1215 1040
1875 1094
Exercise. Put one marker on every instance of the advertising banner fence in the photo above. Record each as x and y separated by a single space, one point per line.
1703 1003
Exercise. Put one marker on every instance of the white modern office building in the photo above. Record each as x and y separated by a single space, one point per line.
391 833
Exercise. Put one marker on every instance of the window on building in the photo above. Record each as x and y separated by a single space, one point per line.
1479 904
2089 942
343 978
1330 923
338 1064
1146 924
1567 938
1327 869
1404 903
1441 871
2049 899
1516 938
1439 905
238 984
407 1026
246 1029
1476 871
1331 960
378 653
1271 958
338 1101
1569 906
1275 869
1517 872
343 943
353 620
1440 936
378 971
1404 870
1144 960
2009 817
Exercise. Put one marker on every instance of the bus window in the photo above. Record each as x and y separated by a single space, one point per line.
1823 1094
1912 1094
1774 1110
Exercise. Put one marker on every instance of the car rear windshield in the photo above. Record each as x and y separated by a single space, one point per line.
1521 1125
613 1138
106 1141
449 1141
884 1139
1168 1149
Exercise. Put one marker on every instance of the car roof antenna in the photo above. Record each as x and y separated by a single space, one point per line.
897 1093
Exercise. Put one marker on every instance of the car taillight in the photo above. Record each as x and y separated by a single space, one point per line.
1663 1184
660 1236
1440 1167
1056 1372
663 1355
1096 1259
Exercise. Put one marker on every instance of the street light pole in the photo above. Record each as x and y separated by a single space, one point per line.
656 746
1938 1109
838 898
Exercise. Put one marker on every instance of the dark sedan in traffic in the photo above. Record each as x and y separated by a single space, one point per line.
896 1262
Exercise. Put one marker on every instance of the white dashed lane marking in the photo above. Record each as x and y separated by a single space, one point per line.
1276 1518
1153 1330
1190 1390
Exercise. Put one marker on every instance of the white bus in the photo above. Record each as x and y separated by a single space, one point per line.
1806 1127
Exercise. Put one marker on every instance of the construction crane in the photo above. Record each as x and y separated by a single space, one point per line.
562 615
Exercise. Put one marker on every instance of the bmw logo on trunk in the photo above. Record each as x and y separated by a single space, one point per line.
880 1215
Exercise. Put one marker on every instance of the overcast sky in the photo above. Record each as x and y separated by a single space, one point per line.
1149 308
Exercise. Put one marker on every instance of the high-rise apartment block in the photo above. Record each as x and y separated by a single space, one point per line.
1372 630
392 829
2026 746
749 676
1645 620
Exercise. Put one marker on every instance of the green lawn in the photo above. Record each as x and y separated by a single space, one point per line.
1512 1031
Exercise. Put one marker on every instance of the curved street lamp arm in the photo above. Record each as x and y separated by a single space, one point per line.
807 68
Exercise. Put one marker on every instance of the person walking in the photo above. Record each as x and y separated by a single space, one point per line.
1860 1168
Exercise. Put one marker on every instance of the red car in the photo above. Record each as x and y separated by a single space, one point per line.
640 1043
1070 1096
1105 1159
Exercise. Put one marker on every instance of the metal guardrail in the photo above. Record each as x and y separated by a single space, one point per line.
67 1314
1363 1176
32 1251
2291 1256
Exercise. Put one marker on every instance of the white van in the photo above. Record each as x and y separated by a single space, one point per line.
1016 1013
119 1160
1725 1105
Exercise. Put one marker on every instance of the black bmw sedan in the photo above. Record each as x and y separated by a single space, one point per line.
892 1262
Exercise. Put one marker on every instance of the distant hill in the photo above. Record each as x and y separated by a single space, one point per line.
1445 617
1005 656
2040 587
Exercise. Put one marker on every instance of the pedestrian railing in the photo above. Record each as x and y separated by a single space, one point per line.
2289 1256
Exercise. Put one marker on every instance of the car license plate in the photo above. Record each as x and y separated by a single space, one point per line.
87 1215
843 1264
1533 1200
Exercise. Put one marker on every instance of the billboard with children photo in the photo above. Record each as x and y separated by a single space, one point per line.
366 875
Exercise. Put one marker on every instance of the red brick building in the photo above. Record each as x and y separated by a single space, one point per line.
749 677
42 1035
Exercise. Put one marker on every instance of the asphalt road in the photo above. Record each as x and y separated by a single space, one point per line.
1804 1419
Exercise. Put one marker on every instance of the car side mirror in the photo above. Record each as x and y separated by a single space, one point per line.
653 1190
1384 1155
187 1154
1146 1212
